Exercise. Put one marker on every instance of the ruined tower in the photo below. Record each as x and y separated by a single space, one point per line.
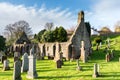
80 17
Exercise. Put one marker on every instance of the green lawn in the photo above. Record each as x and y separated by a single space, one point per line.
47 71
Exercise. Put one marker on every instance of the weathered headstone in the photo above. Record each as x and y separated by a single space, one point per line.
32 51
6 65
78 65
32 73
17 70
25 63
83 53
58 64
95 72
112 54
3 58
107 57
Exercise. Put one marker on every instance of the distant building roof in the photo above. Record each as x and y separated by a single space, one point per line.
23 38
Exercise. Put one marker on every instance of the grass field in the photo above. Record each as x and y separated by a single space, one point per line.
47 71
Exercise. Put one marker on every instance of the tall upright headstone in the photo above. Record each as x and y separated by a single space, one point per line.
78 65
83 53
17 70
95 71
25 63
32 73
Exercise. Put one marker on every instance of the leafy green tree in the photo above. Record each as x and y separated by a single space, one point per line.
2 43
48 36
39 36
61 34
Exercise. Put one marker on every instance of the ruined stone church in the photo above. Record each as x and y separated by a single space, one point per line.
70 49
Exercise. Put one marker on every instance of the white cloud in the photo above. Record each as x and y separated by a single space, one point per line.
36 17
104 13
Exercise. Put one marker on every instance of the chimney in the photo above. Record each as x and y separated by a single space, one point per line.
80 17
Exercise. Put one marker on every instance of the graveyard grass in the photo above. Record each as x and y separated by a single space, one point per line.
47 71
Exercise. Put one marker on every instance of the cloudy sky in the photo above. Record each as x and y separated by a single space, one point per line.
61 12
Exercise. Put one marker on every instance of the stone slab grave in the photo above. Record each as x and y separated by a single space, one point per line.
58 64
6 65
17 70
59 60
95 71
32 73
25 63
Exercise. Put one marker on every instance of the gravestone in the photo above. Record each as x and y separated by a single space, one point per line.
112 54
17 70
83 53
100 45
119 59
78 65
58 64
3 58
95 71
107 57
32 73
25 63
61 58
6 65
97 47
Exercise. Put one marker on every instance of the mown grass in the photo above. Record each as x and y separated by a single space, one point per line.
46 69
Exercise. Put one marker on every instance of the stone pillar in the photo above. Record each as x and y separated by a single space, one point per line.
32 73
95 72
78 65
17 70
83 52
107 57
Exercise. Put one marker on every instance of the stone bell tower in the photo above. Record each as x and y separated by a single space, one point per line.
80 17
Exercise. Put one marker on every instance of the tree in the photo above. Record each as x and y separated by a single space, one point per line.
61 34
2 43
15 30
48 36
49 26
21 26
39 36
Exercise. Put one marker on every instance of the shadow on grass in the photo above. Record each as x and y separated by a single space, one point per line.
111 74
59 77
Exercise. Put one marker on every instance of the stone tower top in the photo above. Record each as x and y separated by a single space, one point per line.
80 16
